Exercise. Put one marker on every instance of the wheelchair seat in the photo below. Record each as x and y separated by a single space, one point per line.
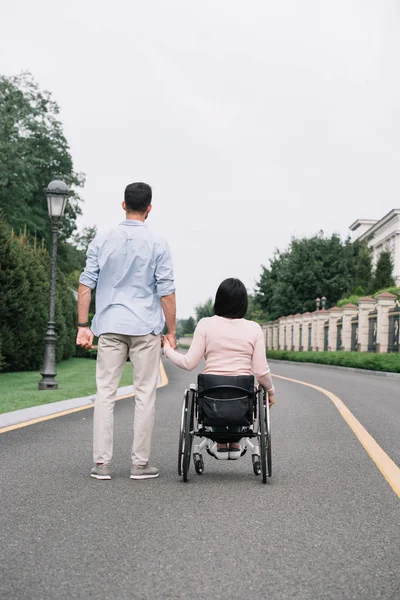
225 400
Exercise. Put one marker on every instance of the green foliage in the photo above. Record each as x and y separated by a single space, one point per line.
24 300
392 290
187 326
85 237
255 311
308 268
363 268
204 310
383 274
33 151
349 300
360 360
355 298
1 358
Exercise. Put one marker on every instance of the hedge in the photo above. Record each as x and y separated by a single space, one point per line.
360 360
24 304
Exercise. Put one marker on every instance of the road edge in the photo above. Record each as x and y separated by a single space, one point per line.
368 372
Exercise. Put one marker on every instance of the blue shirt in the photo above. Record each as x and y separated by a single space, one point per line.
132 269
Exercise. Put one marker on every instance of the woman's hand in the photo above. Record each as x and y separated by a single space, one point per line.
271 399
165 343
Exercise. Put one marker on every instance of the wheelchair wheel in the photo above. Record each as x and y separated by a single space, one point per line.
264 437
188 437
269 447
182 433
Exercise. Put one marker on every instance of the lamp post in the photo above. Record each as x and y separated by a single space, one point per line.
56 193
323 300
318 303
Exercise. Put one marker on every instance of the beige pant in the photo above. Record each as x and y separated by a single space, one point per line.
144 354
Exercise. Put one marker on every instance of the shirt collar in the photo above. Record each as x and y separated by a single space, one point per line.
133 223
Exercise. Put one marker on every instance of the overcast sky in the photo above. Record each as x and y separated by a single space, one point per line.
253 121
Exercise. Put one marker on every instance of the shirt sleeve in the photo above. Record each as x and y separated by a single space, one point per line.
164 272
261 368
90 273
191 359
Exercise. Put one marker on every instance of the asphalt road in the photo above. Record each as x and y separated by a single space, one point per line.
325 527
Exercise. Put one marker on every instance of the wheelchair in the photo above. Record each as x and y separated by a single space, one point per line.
214 405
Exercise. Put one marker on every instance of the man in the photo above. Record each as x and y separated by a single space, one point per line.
132 269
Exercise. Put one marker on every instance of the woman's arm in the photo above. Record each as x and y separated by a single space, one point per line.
261 368
191 359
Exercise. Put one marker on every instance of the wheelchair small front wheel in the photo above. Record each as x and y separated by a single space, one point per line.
198 464
256 464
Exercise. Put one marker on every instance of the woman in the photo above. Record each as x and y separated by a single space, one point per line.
230 345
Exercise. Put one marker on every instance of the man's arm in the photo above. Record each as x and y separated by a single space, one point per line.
166 290
87 282
168 304
85 336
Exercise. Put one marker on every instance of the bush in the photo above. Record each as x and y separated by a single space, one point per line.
355 297
360 360
24 304
349 300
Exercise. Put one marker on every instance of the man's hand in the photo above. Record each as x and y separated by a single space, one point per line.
171 339
84 339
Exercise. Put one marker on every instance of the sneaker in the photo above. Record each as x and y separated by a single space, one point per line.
235 451
221 451
143 472
101 472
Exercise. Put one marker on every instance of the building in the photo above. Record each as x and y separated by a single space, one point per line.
381 235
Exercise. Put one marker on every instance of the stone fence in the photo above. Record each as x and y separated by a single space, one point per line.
372 326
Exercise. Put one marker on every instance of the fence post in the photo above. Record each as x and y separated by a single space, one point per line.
334 314
349 311
365 305
385 302
297 321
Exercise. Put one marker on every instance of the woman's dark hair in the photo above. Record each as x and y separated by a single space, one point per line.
231 299
137 197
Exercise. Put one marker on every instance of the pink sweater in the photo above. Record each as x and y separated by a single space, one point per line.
229 347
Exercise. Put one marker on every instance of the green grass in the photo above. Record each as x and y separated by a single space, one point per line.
76 378
360 360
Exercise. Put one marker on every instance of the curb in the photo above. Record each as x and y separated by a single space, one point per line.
337 368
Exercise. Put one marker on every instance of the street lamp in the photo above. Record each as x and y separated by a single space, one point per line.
318 303
56 193
323 300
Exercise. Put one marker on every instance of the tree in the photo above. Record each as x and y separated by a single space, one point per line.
308 268
204 310
383 274
33 151
254 310
363 268
85 237
188 326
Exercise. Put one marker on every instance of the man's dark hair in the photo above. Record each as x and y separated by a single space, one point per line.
231 299
137 197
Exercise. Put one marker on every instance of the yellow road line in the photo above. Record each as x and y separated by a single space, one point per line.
164 382
385 464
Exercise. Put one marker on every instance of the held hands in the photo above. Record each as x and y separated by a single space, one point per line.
84 338
169 341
